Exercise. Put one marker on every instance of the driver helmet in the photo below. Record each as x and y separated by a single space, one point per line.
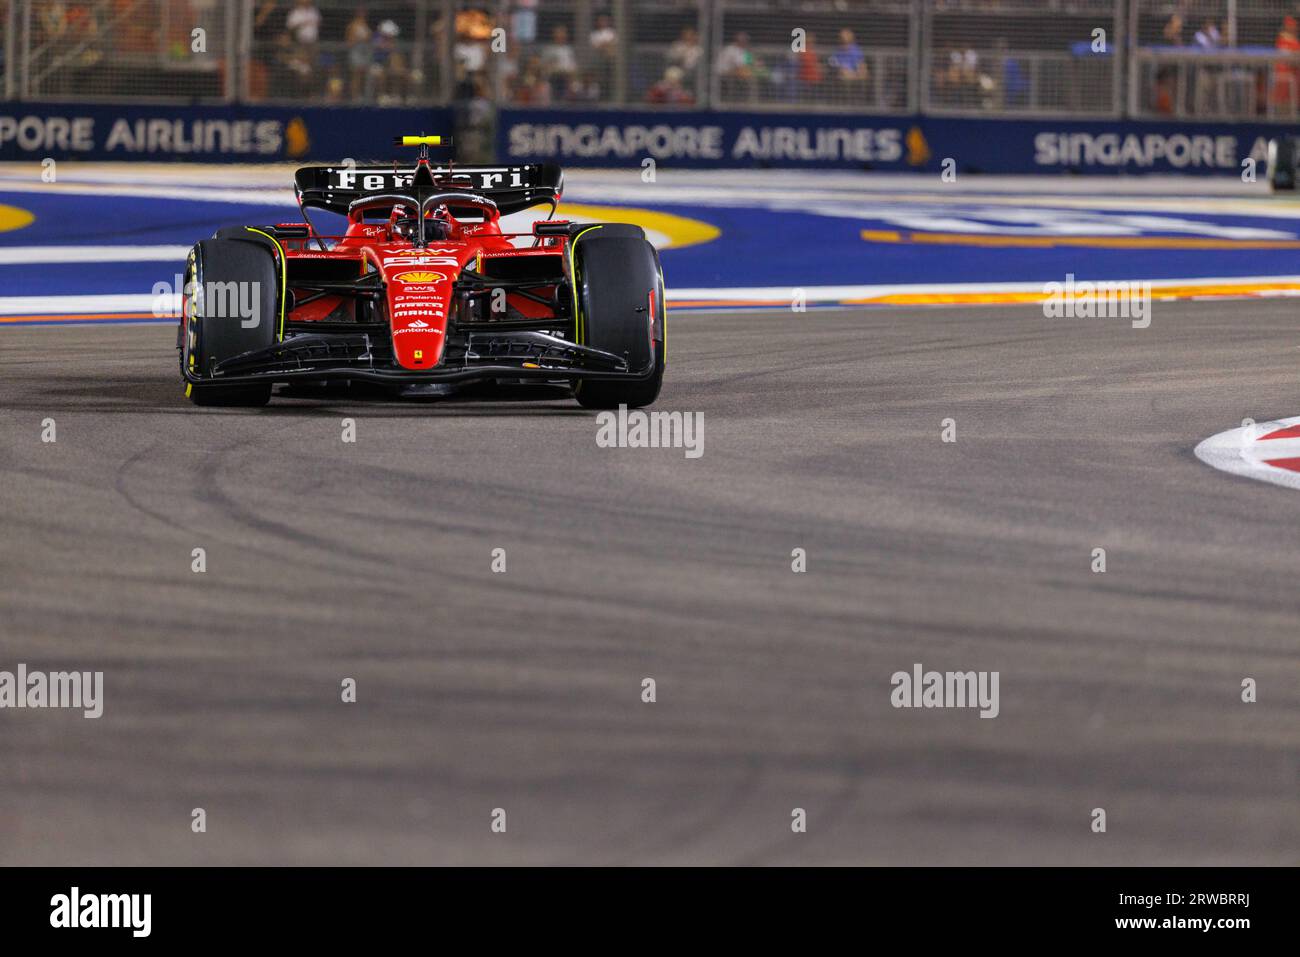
437 225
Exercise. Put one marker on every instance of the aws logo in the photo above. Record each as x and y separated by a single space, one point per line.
420 277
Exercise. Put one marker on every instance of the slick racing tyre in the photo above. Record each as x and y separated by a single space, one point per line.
223 278
620 309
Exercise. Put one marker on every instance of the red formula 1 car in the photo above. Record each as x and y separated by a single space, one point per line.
423 290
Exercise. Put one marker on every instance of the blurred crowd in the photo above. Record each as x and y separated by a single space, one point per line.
92 32
510 53
349 56
976 55
1269 85
808 73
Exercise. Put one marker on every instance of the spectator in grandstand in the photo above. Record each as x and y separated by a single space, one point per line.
262 16
303 27
604 52
1173 31
849 66
291 70
1207 87
303 23
1015 80
1208 37
1166 89
604 38
559 61
523 22
686 51
53 18
849 61
582 88
531 88
473 31
669 89
388 68
474 123
1285 93
77 26
135 34
961 83
357 39
809 71
738 69
470 53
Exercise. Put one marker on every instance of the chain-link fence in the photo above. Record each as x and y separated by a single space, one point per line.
567 53
383 52
1022 57
825 56
1203 59
667 51
9 47
541 53
121 50
1215 59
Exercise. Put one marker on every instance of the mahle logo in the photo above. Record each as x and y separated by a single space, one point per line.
420 277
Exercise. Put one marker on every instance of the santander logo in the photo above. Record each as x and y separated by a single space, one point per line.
416 325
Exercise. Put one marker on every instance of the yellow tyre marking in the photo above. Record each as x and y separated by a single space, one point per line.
578 329
284 274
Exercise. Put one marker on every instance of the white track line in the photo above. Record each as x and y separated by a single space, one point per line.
835 293
76 305
68 305
272 185
12 255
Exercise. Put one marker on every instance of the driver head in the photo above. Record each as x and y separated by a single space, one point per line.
408 228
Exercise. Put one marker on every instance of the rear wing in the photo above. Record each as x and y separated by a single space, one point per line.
512 188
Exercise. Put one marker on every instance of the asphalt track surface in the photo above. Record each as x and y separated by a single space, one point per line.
522 690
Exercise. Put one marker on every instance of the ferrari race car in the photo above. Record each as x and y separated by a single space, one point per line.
423 290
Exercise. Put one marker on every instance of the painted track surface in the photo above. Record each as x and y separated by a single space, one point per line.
742 238
521 690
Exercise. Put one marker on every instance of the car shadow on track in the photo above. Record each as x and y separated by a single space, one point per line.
127 396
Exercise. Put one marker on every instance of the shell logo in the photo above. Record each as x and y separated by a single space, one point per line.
420 277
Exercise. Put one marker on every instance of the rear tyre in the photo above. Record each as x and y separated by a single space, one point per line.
620 290
223 274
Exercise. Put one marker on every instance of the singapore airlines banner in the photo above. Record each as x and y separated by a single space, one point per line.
248 134
841 141
237 134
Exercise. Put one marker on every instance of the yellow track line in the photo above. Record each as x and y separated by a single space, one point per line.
1087 242
88 316
1012 298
